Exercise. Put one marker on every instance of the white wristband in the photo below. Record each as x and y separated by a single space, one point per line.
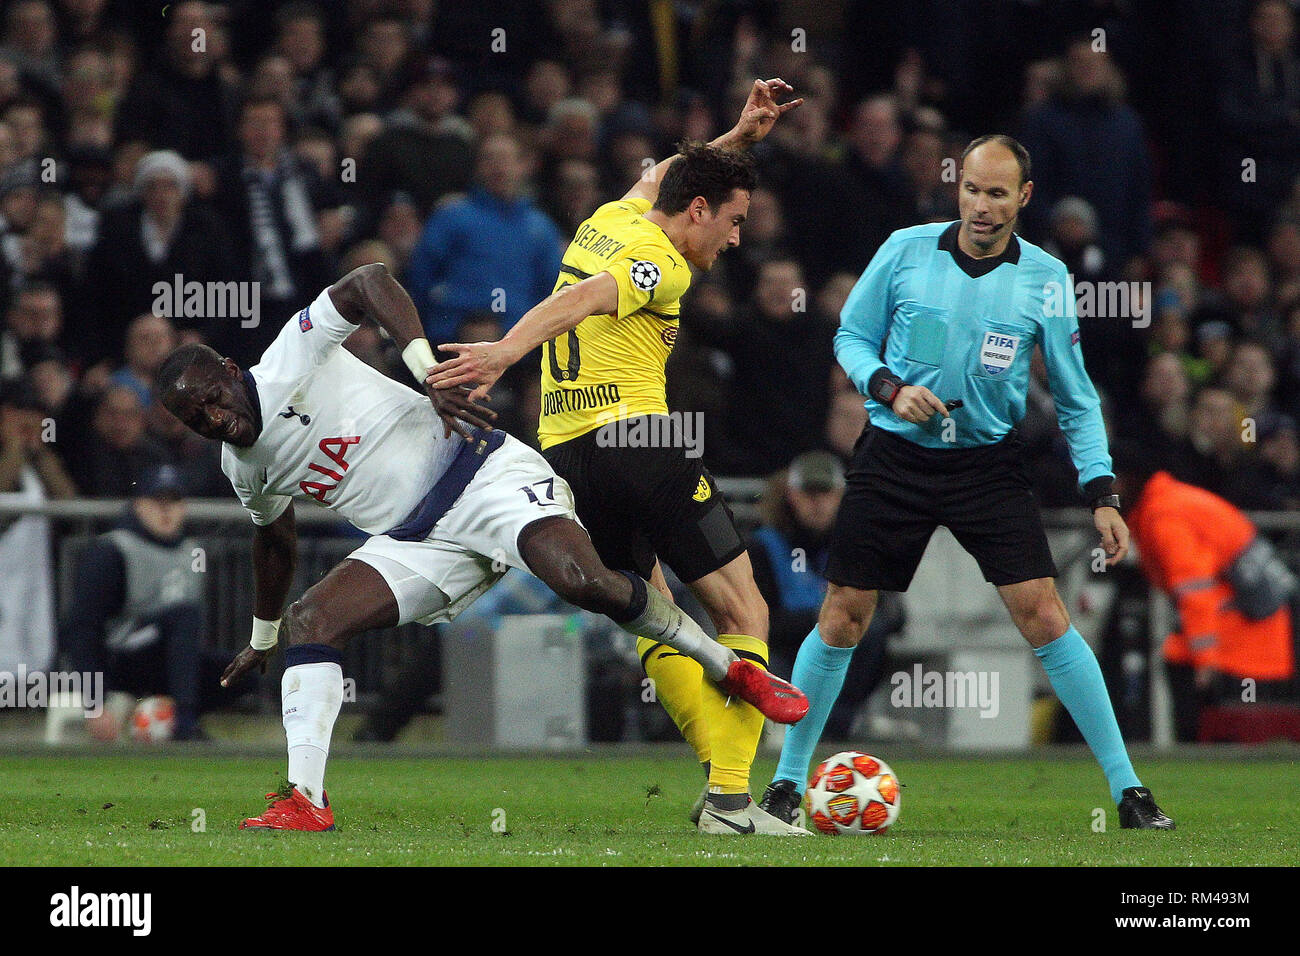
266 634
418 356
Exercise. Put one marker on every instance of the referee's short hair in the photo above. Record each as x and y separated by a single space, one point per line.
1002 139
708 171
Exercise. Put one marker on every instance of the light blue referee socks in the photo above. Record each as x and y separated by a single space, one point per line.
1076 677
819 672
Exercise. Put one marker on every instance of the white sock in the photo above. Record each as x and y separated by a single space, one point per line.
311 696
664 621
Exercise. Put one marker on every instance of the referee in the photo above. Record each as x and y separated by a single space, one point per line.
939 332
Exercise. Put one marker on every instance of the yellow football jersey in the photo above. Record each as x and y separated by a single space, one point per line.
612 366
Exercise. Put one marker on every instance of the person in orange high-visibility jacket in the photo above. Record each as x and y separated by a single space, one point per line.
1190 544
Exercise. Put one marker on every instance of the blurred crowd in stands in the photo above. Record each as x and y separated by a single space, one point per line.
145 147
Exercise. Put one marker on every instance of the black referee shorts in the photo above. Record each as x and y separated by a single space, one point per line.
641 502
898 492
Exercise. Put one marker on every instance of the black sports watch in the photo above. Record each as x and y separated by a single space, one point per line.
885 386
1105 501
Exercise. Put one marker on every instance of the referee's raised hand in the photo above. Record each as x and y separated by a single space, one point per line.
917 404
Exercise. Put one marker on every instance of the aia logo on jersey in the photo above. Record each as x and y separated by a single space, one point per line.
669 334
304 320
336 450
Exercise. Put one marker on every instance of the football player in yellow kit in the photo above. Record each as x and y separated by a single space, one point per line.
608 328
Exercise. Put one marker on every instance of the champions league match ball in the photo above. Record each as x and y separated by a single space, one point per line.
853 794
154 720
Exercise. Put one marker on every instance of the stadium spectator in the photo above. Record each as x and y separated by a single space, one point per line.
1250 377
269 200
1247 304
359 89
138 616
1073 239
1175 243
160 234
89 173
26 447
399 229
41 254
1230 589
26 119
149 339
490 112
874 138
779 390
1217 452
300 39
493 249
831 224
546 84
930 196
1279 452
385 44
575 193
30 474
1284 256
182 102
602 87
1158 422
87 89
571 132
788 551
1259 117
87 20
33 322
18 194
1214 347
1087 142
845 422
765 234
119 449
31 37
424 150
1289 364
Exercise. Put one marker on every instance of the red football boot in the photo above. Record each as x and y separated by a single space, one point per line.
776 699
294 812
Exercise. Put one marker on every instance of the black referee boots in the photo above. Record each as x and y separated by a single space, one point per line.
781 800
1138 811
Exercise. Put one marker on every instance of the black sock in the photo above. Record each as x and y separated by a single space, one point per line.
728 801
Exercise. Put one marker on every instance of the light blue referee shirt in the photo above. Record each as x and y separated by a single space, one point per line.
966 328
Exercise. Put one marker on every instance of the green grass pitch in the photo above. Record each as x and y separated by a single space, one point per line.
612 808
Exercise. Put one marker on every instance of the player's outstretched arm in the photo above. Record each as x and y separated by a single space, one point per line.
479 364
371 291
275 554
756 120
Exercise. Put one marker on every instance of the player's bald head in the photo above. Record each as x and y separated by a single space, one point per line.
996 150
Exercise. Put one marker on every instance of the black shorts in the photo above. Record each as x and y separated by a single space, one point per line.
898 492
640 502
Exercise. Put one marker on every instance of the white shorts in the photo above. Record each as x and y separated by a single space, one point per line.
476 541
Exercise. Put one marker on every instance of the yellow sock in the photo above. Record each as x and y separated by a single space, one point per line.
735 727
677 679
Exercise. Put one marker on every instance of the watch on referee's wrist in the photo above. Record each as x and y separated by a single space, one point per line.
885 386
1106 501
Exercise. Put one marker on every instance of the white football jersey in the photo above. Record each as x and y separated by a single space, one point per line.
335 430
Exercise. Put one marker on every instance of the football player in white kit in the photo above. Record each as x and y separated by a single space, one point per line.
450 503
